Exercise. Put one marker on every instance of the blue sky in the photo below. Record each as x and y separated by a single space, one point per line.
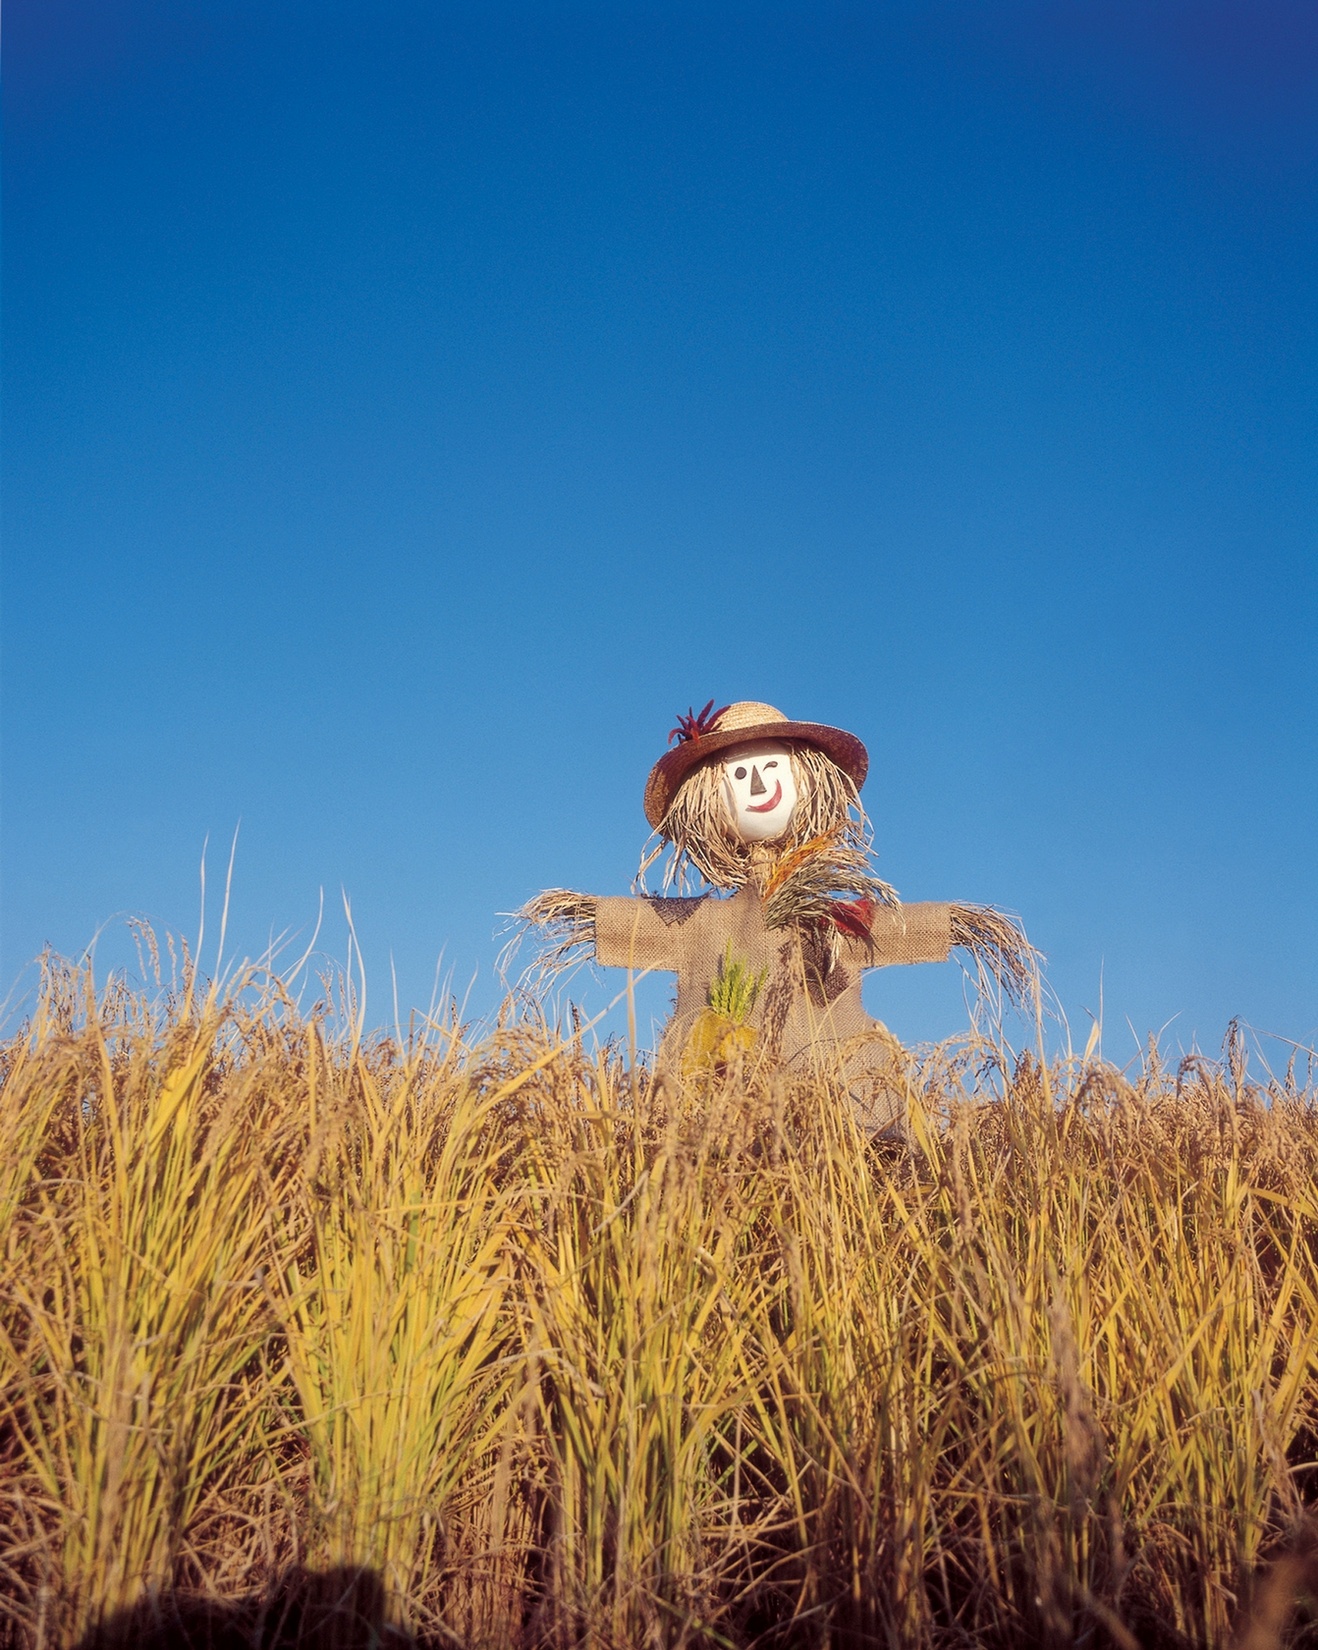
410 408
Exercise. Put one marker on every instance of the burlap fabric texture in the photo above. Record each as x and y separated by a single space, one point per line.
808 1008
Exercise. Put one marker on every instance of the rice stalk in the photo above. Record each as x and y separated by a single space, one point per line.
396 1313
133 1302
643 1315
492 1342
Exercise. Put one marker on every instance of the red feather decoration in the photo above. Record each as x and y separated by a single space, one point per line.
853 917
694 727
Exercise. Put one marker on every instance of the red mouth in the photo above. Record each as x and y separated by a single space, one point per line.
770 805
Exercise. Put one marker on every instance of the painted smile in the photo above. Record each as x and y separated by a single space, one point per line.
771 804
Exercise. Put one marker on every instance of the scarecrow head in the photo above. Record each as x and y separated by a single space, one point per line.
745 785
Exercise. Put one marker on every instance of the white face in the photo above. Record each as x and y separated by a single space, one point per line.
760 790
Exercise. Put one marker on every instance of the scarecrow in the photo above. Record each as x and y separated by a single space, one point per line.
770 949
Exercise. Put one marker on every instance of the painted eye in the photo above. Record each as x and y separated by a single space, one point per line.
772 764
740 773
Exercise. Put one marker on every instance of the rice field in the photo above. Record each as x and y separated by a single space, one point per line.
314 1337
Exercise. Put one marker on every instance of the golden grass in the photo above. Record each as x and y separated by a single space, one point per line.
493 1342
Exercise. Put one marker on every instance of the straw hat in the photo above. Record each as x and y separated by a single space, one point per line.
747 722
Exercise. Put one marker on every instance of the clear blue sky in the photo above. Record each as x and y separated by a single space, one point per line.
409 408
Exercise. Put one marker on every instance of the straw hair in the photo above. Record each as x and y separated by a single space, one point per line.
700 830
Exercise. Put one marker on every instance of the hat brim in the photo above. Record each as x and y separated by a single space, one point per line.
673 766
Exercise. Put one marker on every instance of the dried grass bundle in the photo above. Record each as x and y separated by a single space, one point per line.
807 884
999 946
568 920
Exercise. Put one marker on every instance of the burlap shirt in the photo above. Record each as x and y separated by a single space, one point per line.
806 1005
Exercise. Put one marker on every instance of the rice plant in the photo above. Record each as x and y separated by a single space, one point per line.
486 1339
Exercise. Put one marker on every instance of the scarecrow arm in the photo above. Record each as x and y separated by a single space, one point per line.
927 932
642 933
620 933
910 934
